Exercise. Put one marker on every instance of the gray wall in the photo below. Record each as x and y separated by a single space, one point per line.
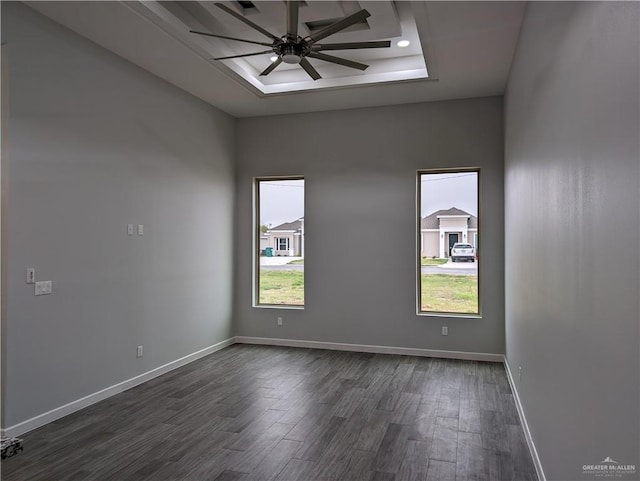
572 199
96 143
360 174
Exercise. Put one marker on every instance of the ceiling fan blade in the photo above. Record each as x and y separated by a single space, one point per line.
337 26
246 21
272 67
230 38
339 61
244 55
292 18
313 73
351 45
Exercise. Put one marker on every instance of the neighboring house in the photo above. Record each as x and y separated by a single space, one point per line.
440 230
286 239
264 241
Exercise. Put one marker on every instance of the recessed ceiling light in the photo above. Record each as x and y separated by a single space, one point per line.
274 58
403 43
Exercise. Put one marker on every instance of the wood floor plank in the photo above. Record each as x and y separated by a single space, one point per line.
230 476
508 411
470 458
415 463
316 443
347 405
275 462
316 418
295 469
494 432
449 402
406 408
359 466
374 431
425 422
498 465
445 440
469 419
264 413
255 453
382 476
441 471
254 430
522 461
393 448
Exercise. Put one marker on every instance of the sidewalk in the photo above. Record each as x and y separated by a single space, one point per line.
276 261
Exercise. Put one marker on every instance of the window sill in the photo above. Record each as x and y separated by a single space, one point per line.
448 315
278 306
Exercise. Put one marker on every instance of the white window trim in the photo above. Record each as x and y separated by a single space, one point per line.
419 239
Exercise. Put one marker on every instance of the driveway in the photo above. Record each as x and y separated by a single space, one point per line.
453 268
280 264
277 261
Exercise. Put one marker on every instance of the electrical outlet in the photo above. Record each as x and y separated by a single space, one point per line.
279 321
445 331
139 351
31 275
519 373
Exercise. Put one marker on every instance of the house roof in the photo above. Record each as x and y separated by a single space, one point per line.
296 225
432 222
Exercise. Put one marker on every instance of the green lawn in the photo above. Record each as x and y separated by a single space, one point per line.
440 292
297 261
448 293
429 261
282 287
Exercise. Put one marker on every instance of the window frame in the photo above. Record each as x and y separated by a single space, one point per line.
419 174
256 241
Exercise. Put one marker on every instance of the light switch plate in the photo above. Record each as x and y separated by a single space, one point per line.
31 275
140 229
129 229
43 287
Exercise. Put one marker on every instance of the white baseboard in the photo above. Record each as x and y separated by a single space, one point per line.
525 426
339 346
59 412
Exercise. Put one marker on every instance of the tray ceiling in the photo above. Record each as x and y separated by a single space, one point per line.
459 49
388 21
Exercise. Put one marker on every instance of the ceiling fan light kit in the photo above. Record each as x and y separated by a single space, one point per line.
293 49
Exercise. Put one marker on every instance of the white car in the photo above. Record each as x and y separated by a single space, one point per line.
462 252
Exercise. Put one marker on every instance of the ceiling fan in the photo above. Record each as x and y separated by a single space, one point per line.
293 49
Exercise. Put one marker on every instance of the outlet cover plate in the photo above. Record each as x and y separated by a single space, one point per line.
43 287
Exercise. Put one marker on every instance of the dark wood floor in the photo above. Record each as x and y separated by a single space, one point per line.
272 413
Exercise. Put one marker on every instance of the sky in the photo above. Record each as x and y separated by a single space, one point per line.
283 200
443 191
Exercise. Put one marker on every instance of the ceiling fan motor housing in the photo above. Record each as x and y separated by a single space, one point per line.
292 50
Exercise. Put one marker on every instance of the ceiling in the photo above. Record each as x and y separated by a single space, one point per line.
388 20
458 50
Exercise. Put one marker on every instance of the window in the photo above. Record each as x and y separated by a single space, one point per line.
279 242
447 243
282 243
